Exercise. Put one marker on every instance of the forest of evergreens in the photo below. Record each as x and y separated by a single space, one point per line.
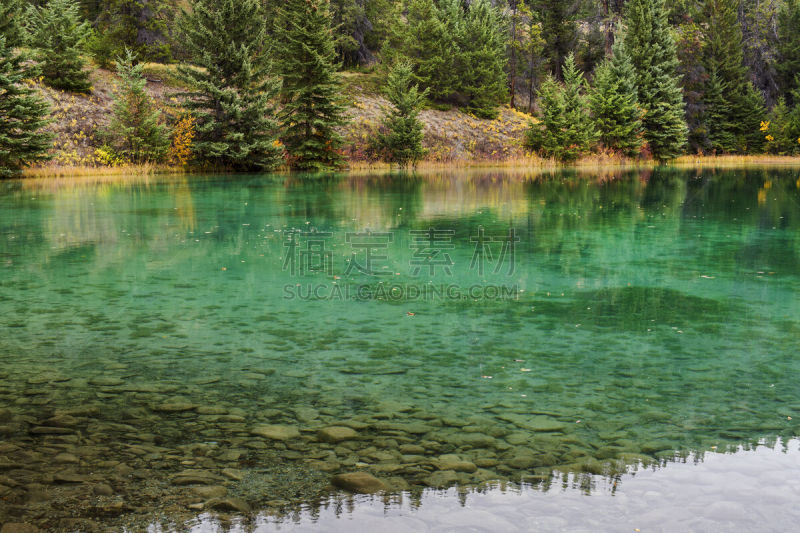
263 89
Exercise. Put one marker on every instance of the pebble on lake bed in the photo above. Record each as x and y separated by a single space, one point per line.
359 482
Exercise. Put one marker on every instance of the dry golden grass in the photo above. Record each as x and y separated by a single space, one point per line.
61 171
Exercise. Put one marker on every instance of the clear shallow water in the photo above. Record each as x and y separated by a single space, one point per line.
152 329
753 490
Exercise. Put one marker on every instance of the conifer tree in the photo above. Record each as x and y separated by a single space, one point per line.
430 43
788 64
136 131
138 25
614 103
565 130
10 28
58 33
726 89
483 60
403 139
232 91
312 109
652 50
782 130
22 115
718 115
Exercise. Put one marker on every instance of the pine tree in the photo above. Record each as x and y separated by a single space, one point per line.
788 64
755 110
654 58
726 87
782 130
311 87
576 104
10 11
232 90
717 117
565 130
482 60
403 139
138 25
59 34
22 115
560 30
430 43
614 103
136 131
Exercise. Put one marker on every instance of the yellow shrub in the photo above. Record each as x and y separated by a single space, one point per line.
182 136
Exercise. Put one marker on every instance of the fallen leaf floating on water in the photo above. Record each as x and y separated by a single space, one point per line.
486 377
409 313
519 360
707 277
524 369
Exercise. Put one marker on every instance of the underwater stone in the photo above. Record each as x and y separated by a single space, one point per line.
360 482
455 463
441 479
229 504
276 432
336 434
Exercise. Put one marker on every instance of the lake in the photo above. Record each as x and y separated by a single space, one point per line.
572 351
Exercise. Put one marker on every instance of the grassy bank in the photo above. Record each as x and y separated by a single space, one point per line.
453 139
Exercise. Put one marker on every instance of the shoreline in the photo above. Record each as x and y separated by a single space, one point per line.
529 164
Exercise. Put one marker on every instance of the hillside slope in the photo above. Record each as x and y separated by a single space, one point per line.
450 136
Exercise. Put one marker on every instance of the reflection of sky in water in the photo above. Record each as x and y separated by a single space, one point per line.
753 490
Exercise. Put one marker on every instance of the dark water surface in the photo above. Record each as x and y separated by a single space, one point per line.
178 346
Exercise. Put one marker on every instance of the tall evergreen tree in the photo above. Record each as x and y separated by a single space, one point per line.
728 121
22 115
430 44
138 25
560 30
10 28
565 130
615 104
232 90
312 108
482 79
788 64
653 54
403 137
136 131
58 33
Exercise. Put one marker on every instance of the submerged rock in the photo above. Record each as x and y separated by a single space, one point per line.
441 479
360 482
455 463
229 504
276 432
16 527
336 434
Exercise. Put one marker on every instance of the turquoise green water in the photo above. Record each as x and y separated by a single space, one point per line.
151 329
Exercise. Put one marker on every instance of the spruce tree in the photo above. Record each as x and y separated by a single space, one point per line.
483 60
726 88
138 25
652 50
565 130
403 137
788 45
22 115
136 132
718 115
58 33
312 109
782 131
232 91
614 103
430 43
10 28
